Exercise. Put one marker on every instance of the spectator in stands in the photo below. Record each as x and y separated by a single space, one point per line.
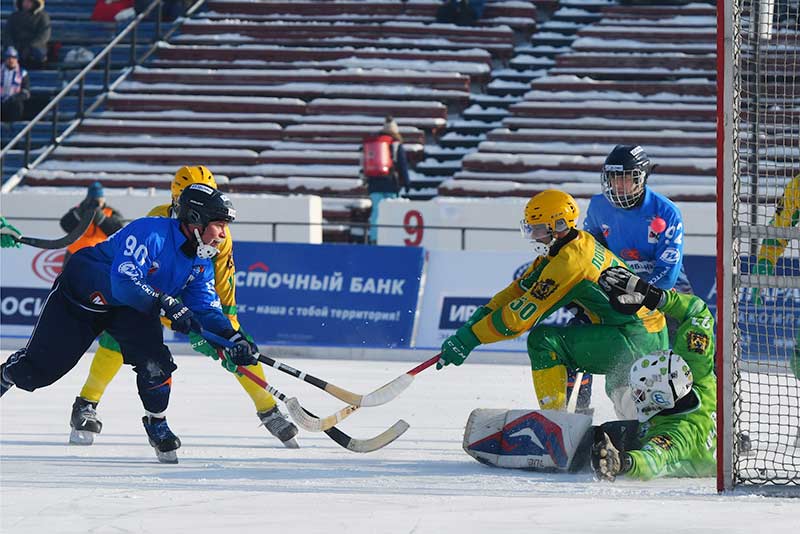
170 9
461 12
15 89
385 168
28 30
106 220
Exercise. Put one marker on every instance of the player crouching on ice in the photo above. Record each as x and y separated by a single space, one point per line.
675 392
121 286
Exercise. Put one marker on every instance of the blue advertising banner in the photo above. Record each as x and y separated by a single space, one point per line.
346 295
768 319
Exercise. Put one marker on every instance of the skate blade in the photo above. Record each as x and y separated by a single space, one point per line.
81 437
169 457
291 443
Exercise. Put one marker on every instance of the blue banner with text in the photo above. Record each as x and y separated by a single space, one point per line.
338 295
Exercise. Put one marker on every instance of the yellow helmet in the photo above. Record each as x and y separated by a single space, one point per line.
187 175
547 213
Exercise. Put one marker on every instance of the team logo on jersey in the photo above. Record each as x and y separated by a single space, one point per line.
97 298
544 288
153 268
696 342
631 254
670 255
663 441
129 269
605 229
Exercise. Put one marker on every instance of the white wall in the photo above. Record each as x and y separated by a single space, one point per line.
505 213
51 203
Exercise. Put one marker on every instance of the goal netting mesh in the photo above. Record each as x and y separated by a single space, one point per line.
764 256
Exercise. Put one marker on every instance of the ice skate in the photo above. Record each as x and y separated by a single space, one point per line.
84 422
279 426
163 441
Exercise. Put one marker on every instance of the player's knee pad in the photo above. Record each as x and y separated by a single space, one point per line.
551 387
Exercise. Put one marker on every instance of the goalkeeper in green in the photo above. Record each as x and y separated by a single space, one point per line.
674 391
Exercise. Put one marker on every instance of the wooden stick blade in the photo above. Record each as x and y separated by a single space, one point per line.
316 424
388 391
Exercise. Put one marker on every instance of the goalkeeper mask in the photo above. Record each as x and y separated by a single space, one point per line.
658 381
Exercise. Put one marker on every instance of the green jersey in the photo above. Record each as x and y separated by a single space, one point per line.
684 444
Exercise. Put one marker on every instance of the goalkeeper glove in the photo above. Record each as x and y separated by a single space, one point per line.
607 461
627 292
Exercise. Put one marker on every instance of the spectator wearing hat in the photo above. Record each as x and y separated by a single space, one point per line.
28 30
15 89
384 167
106 220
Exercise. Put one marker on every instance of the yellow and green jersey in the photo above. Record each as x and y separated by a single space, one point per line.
224 269
568 274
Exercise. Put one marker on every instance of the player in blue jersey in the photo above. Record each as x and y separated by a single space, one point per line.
642 227
122 285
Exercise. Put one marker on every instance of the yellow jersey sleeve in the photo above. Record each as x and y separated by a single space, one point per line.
224 271
550 281
514 290
786 215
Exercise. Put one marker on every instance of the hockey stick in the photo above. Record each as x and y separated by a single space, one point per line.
348 442
303 418
573 396
380 396
51 244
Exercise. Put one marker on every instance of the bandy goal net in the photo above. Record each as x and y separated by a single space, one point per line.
758 249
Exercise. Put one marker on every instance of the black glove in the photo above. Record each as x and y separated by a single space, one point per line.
244 352
627 292
607 461
180 316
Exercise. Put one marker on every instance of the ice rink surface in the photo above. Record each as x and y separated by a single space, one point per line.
234 477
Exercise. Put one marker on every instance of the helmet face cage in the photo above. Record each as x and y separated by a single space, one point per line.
624 175
657 382
616 181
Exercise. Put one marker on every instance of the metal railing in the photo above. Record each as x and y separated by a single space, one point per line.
274 225
51 110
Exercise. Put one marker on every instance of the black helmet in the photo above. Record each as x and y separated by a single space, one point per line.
201 204
625 161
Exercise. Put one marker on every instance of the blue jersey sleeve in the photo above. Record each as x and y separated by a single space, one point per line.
200 296
135 247
669 251
592 225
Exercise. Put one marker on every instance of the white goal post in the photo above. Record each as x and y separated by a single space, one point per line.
758 244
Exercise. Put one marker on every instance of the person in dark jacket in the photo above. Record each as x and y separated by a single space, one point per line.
14 86
106 220
28 30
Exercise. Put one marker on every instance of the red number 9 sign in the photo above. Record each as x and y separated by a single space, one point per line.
414 227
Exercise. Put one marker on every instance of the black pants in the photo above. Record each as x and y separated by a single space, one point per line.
65 330
13 109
